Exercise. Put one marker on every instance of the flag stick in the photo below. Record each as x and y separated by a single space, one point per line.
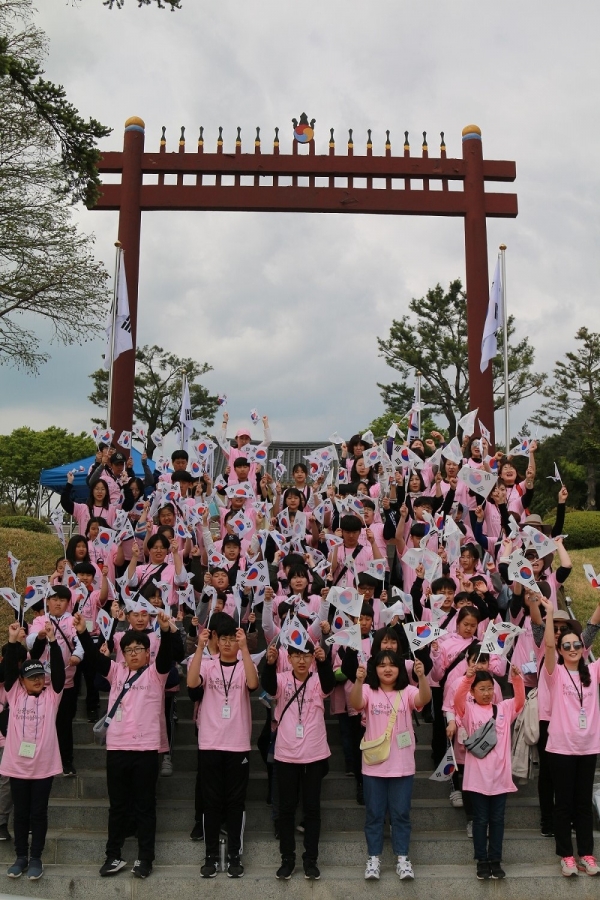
418 396
505 326
119 252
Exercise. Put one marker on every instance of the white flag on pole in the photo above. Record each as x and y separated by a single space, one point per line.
122 339
494 319
185 414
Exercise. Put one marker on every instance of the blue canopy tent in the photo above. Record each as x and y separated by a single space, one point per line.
52 481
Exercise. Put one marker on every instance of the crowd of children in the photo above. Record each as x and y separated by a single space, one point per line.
379 583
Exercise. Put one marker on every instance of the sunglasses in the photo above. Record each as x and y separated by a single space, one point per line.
571 645
561 629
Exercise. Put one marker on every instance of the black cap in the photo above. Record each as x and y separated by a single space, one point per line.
231 539
117 458
31 668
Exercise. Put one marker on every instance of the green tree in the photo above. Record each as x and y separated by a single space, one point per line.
573 407
157 391
47 270
434 342
21 54
24 453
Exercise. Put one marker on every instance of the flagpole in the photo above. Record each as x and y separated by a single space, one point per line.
181 424
505 326
418 393
119 252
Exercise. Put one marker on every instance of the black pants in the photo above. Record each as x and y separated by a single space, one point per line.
356 734
170 699
573 779
439 740
131 777
30 799
225 776
198 801
88 673
293 779
545 784
64 724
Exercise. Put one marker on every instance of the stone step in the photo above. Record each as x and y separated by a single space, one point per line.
534 882
335 848
91 784
337 815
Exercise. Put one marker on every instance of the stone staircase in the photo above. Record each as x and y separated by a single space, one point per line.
441 852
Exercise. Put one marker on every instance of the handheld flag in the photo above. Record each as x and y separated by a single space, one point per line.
347 600
12 598
556 476
387 613
478 480
499 638
346 637
13 562
420 634
453 451
467 422
125 440
105 623
446 768
591 576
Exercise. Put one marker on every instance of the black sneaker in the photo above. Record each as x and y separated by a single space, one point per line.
483 871
286 869
5 833
497 870
142 868
234 868
547 831
197 832
112 866
36 869
69 770
360 796
311 869
210 867
93 715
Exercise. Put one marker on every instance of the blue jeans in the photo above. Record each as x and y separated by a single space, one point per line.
381 795
488 813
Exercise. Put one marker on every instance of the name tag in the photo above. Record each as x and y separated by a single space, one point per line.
27 749
89 624
582 719
226 712
300 731
118 714
403 739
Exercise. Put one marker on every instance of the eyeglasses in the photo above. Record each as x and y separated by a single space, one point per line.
571 645
128 651
228 639
561 629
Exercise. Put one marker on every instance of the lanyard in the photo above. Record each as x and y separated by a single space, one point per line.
578 692
301 692
401 705
226 685
36 717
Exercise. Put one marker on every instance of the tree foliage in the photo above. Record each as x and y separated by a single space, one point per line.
157 391
572 408
434 342
24 453
20 70
162 4
47 270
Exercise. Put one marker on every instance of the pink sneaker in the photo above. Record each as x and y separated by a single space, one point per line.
588 865
568 866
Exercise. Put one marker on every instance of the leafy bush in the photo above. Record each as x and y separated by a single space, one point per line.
583 529
24 522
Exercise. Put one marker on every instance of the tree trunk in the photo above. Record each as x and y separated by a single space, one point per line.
591 486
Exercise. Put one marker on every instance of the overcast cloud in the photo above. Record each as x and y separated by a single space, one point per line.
286 308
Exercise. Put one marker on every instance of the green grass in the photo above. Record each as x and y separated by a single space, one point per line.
38 554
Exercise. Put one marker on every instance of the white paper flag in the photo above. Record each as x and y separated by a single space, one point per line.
467 423
446 768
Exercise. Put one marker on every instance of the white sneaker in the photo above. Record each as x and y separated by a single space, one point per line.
470 828
373 869
166 768
456 799
404 868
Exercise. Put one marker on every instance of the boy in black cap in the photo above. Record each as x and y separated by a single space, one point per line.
31 756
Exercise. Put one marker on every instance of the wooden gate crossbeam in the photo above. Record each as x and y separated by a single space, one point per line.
327 183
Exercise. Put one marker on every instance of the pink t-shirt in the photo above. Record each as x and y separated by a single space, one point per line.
33 720
493 774
224 687
3 702
306 715
89 609
82 515
564 733
360 560
376 712
65 623
138 725
448 707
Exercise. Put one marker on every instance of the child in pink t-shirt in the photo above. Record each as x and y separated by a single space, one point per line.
489 780
388 784
301 748
224 731
31 756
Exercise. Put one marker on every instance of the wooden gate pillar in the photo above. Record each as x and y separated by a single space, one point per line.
476 262
130 222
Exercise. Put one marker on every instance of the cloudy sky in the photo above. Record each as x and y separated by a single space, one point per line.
286 308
